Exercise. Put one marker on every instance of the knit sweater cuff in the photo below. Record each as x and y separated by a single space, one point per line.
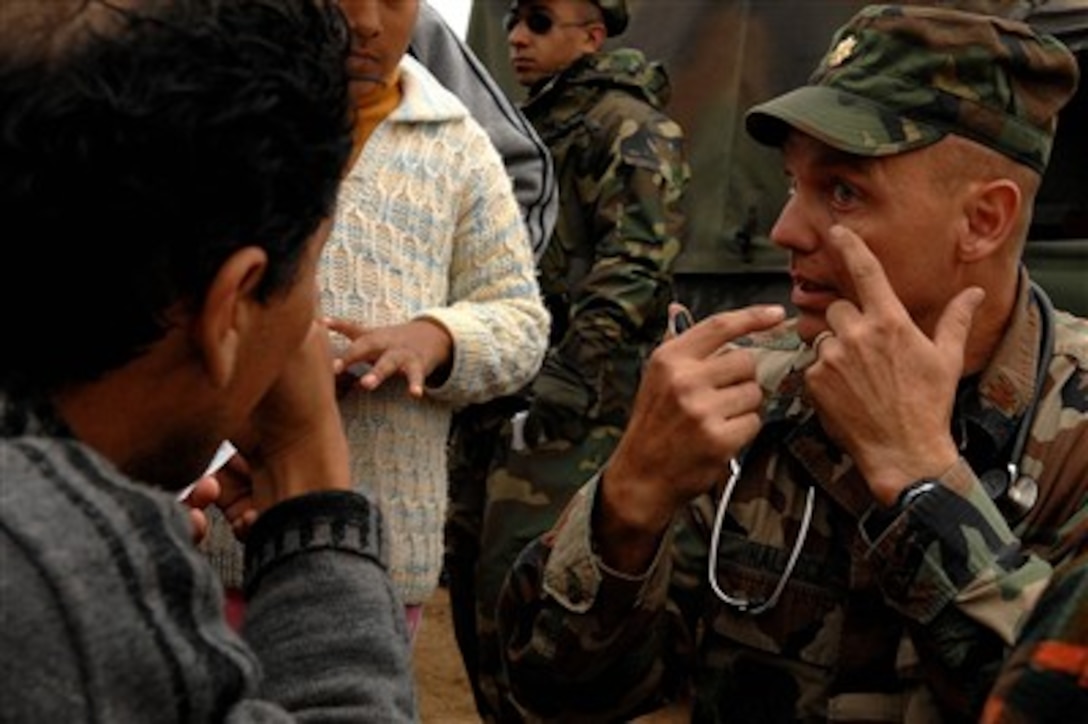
323 521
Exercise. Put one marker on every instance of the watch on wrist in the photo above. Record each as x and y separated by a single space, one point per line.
914 491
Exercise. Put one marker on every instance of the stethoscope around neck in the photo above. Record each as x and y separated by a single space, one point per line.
1014 494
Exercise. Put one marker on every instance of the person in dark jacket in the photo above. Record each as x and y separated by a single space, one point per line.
170 168
607 280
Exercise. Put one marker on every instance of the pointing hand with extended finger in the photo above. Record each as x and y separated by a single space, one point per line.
698 404
883 389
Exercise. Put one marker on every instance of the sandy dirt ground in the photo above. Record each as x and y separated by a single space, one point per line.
444 694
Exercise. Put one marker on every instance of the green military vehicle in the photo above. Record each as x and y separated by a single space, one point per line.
724 56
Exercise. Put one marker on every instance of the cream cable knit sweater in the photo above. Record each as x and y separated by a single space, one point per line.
428 226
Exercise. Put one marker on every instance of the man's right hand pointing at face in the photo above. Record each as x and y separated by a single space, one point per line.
697 406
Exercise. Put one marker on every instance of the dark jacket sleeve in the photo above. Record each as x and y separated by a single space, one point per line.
527 160
322 615
112 614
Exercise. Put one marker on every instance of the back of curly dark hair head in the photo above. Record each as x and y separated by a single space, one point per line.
141 143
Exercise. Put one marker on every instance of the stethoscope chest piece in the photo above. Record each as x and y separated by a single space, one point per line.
1014 494
1021 497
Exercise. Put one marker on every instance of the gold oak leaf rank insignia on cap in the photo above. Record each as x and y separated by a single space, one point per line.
842 51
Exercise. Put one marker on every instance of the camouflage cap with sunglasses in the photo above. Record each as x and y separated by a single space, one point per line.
896 78
613 12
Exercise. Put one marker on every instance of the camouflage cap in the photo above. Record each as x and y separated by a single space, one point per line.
615 15
898 78
613 12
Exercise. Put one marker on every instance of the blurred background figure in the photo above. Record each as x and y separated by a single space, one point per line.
430 275
606 276
528 162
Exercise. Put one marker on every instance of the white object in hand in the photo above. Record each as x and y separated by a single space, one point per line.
517 438
222 455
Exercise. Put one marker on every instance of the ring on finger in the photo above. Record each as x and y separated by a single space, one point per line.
820 339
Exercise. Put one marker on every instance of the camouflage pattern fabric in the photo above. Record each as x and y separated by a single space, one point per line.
475 441
897 78
1045 679
607 280
607 275
895 618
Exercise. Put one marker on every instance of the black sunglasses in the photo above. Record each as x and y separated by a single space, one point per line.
539 22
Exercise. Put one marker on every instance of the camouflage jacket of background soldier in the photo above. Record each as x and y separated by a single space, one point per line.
607 273
1045 678
885 617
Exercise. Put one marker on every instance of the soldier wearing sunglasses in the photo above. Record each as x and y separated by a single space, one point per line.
607 277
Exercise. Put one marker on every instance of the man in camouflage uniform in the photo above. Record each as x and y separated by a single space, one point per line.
607 280
884 539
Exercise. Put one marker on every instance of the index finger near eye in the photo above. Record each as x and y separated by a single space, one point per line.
871 284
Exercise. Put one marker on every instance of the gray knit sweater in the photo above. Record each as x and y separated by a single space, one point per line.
109 614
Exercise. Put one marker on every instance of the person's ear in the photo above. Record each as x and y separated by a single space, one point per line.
596 34
230 310
992 211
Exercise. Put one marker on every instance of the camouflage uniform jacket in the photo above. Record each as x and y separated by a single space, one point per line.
1045 678
607 273
887 616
